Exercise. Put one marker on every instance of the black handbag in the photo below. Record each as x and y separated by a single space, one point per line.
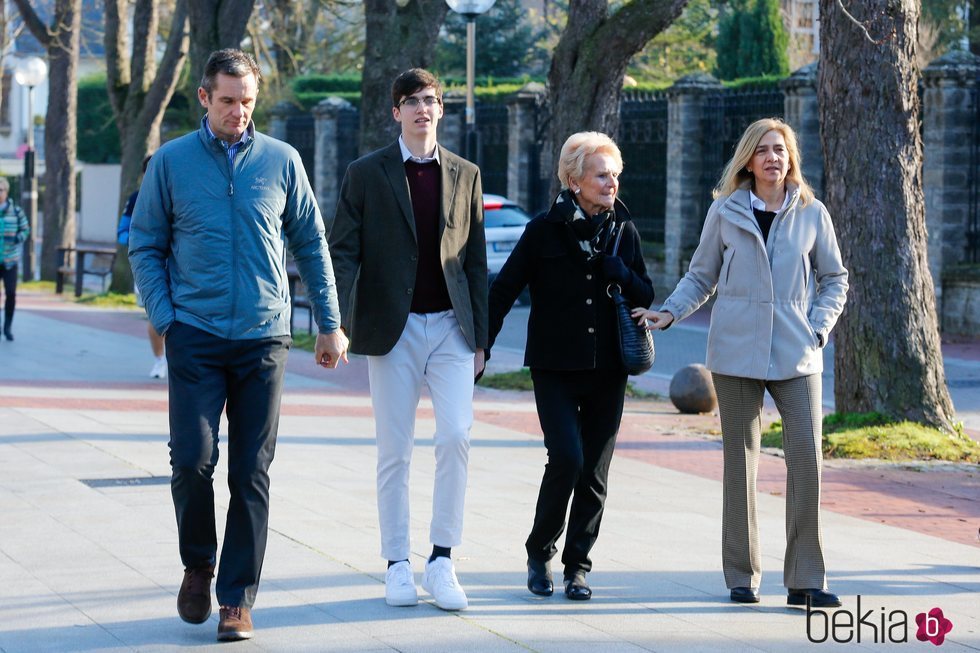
635 342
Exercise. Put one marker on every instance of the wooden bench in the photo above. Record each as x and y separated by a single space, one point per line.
85 258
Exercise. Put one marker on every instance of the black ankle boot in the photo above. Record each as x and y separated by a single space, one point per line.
577 587
539 579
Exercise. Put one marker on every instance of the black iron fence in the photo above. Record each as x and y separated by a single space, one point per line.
726 115
348 139
972 240
301 134
491 122
642 139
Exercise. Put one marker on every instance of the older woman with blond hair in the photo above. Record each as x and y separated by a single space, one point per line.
567 259
769 250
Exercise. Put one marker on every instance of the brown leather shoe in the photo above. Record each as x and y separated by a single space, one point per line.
236 624
194 598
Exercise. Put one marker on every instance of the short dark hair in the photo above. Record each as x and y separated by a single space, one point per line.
229 62
413 81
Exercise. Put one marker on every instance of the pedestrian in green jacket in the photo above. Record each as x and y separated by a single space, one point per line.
15 231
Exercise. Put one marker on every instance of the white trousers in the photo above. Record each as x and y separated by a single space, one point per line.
431 348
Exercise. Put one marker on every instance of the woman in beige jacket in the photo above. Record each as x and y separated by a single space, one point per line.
769 250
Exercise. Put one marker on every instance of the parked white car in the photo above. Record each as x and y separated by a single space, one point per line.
504 222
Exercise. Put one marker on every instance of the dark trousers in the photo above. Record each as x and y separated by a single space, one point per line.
579 413
205 373
9 274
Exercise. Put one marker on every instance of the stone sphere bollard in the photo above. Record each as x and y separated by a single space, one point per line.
692 391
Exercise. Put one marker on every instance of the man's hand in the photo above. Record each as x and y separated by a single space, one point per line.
331 348
479 364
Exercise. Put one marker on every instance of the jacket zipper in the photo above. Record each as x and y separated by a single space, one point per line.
234 237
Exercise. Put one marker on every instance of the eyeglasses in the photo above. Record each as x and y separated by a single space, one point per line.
413 102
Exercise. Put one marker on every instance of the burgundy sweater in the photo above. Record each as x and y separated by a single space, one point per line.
425 186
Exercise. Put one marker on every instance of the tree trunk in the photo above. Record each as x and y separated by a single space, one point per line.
5 41
396 39
887 355
215 24
139 96
62 41
589 63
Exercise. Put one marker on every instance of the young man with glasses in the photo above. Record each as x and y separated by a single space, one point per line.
409 255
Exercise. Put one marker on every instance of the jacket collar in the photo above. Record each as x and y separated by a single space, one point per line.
394 167
740 200
740 212
209 139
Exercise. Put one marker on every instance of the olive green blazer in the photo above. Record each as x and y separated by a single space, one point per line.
375 253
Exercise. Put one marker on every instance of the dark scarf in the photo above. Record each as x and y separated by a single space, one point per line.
592 232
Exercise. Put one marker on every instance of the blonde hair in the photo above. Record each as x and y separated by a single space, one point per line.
5 184
735 175
571 161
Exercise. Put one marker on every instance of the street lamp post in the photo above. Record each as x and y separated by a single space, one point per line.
470 9
29 72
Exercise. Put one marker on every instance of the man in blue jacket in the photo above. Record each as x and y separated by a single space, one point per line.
207 251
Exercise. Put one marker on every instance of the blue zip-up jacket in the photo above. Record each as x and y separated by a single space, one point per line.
206 243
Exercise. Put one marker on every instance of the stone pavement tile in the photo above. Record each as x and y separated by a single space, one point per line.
563 643
58 638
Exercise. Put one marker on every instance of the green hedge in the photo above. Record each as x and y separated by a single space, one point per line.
311 89
98 138
332 84
762 82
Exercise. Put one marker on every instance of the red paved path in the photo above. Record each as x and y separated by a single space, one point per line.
942 501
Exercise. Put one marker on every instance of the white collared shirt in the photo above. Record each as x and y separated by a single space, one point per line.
760 204
408 156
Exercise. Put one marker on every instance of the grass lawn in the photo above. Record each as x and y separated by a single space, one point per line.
872 435
303 340
103 300
109 300
37 286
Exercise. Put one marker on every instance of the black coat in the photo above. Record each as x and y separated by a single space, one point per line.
572 322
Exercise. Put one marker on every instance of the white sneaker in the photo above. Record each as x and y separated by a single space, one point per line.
400 585
440 581
159 370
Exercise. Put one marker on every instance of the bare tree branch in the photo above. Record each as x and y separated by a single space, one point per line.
168 74
34 23
862 27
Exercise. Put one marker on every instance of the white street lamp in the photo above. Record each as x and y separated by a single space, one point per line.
470 9
29 72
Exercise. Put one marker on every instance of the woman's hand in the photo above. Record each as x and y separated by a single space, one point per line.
652 320
615 271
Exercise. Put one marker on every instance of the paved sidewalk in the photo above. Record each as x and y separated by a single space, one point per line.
88 552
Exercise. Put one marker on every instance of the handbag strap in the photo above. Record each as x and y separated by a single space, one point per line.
609 288
619 237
